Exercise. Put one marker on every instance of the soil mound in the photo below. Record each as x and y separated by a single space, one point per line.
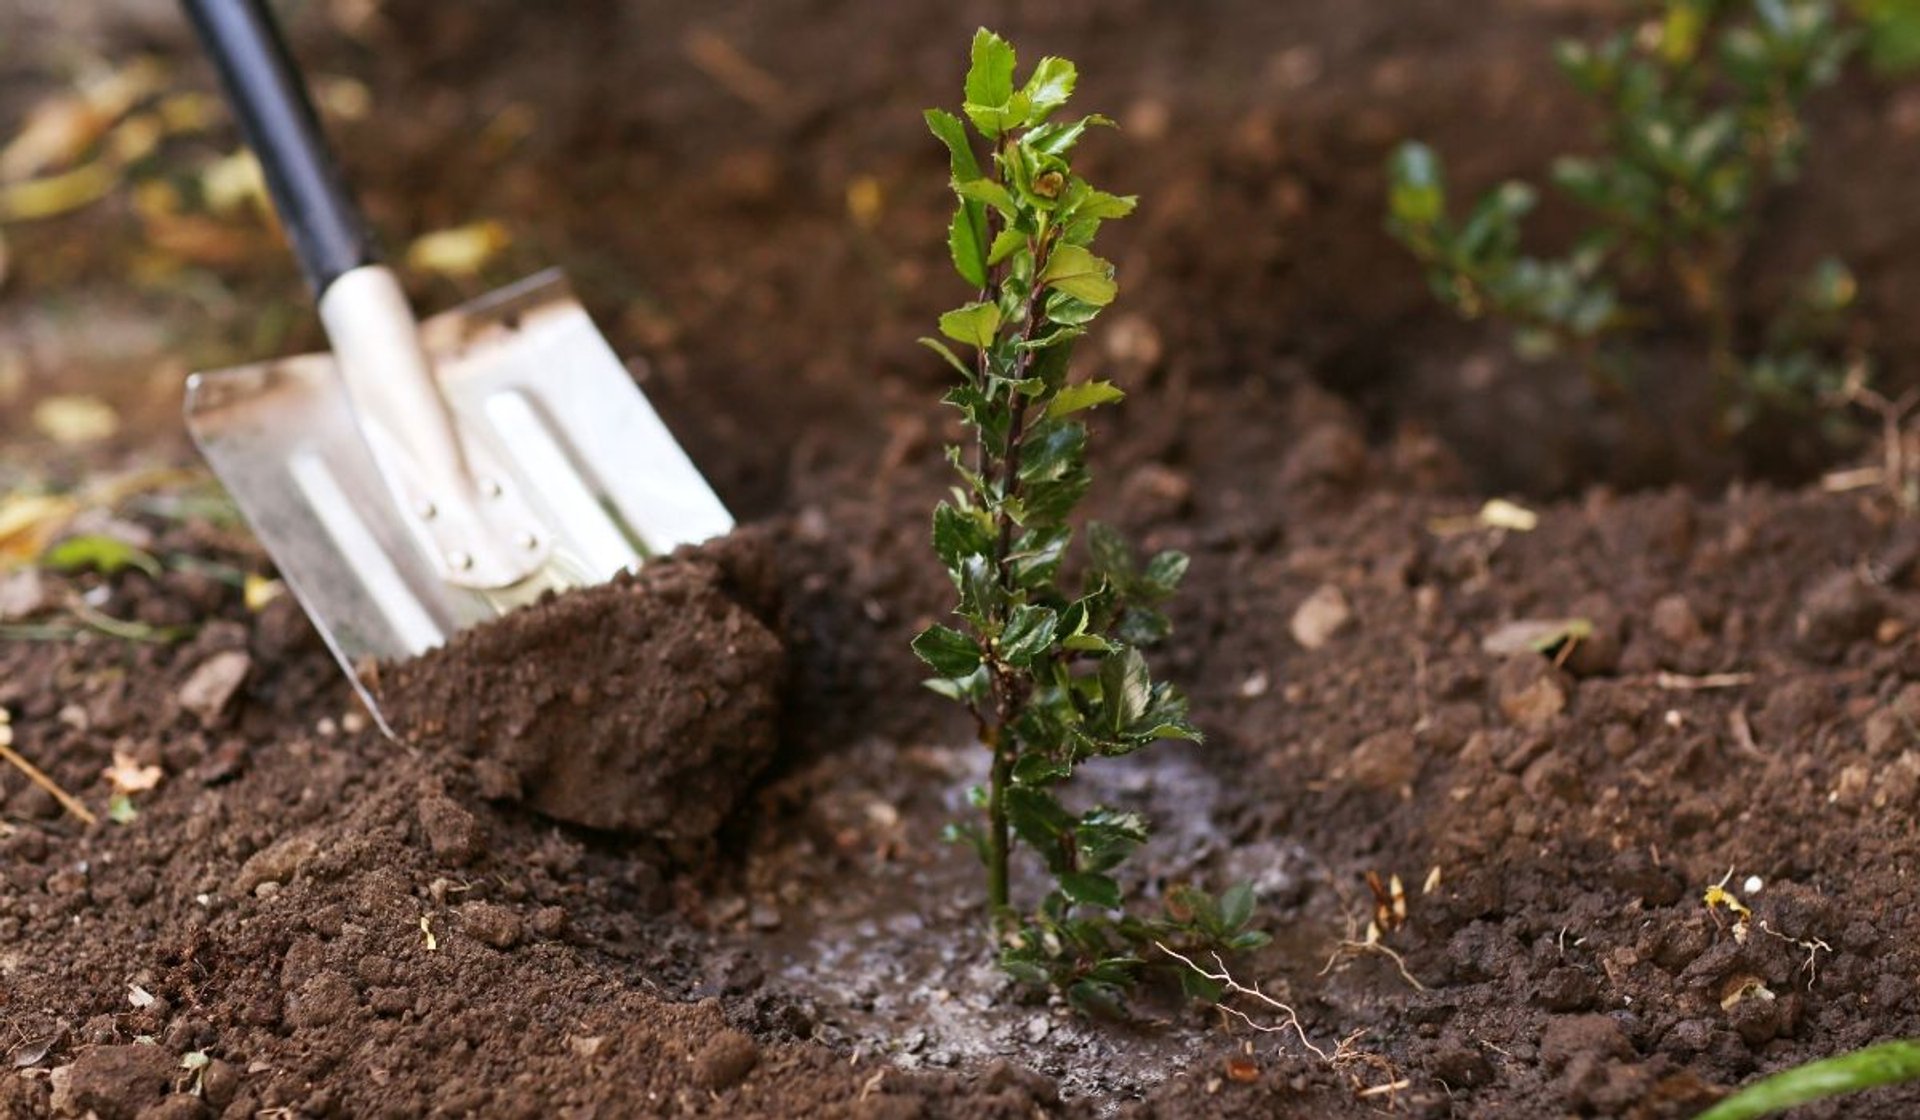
643 705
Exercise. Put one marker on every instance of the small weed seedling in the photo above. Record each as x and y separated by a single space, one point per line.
1702 111
1052 678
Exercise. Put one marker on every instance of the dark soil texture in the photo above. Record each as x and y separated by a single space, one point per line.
302 918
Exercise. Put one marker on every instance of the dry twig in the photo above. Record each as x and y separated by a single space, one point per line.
37 776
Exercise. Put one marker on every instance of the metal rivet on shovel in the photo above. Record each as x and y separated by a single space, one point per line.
424 477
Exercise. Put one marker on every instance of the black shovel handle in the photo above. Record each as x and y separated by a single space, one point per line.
267 95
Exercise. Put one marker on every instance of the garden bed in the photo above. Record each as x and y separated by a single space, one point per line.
344 926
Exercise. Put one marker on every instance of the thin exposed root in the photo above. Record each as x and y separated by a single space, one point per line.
1290 1020
37 776
1372 945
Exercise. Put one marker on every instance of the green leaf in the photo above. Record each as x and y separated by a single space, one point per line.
1080 274
1236 906
1199 987
948 651
949 131
1006 243
1100 1001
1126 687
1039 770
1164 573
1417 192
1028 635
1049 88
989 192
1249 939
1057 139
959 533
965 234
946 352
120 809
1886 1064
1087 394
1038 818
1104 206
990 78
99 552
1052 449
975 324
1091 889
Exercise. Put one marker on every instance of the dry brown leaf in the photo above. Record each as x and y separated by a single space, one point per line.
60 129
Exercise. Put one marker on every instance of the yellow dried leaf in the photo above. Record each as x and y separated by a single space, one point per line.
29 522
233 181
1499 513
71 419
865 201
257 591
57 194
459 252
426 930
346 99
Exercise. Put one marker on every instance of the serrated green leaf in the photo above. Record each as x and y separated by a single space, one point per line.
961 160
975 324
1086 394
1126 688
1052 449
1039 770
965 236
1028 634
1080 274
1104 207
1057 139
949 652
1049 88
990 77
959 533
989 192
1091 889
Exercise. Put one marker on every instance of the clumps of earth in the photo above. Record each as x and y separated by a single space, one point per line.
644 705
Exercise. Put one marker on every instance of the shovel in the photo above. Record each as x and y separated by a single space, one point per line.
428 476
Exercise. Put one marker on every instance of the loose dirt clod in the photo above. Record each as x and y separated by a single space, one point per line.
643 705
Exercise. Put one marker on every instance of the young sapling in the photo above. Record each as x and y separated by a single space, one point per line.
1052 676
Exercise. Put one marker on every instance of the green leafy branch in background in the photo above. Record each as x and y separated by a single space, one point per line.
1053 678
1703 112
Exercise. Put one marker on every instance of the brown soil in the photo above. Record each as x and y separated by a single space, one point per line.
645 705
345 926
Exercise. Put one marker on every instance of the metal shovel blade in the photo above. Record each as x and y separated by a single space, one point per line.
538 396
